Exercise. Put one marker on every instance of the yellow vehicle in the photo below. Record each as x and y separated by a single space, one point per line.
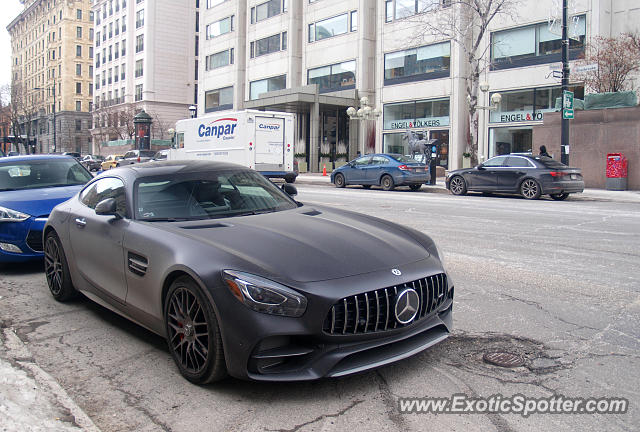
111 161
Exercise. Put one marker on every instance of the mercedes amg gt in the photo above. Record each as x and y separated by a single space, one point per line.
243 280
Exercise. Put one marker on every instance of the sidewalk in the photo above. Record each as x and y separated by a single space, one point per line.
588 194
30 398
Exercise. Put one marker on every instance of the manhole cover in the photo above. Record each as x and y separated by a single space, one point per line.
503 359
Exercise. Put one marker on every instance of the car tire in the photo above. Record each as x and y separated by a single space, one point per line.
366 186
530 189
415 187
387 182
339 181
458 186
57 270
559 197
191 324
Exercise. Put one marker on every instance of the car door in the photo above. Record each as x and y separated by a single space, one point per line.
96 240
485 176
514 170
375 169
356 173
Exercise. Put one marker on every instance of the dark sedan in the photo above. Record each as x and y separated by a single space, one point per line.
243 280
385 170
527 175
92 162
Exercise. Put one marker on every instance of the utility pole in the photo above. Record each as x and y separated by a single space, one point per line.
54 115
564 147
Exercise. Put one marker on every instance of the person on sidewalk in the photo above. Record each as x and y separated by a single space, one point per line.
543 151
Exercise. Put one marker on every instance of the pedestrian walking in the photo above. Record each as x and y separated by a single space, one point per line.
543 151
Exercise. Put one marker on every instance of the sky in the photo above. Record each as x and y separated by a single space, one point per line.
10 10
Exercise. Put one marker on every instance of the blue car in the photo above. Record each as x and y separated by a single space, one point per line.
383 169
30 187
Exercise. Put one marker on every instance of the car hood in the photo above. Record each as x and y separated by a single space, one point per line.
37 202
309 244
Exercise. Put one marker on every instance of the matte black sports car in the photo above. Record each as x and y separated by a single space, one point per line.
527 175
242 279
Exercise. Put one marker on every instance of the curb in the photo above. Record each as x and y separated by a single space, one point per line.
45 392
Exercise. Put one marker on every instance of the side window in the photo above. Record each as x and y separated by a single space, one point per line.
380 160
364 160
518 162
109 187
129 154
495 162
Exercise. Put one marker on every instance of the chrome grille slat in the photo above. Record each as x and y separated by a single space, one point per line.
432 291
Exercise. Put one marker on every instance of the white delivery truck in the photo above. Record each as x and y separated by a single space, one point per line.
262 140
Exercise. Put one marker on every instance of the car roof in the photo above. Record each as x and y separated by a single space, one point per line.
35 157
156 168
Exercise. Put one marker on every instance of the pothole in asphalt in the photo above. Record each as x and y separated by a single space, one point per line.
503 359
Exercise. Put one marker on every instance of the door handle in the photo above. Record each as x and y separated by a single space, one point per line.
81 222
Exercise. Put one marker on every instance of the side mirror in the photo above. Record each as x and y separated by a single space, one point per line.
108 207
290 189
480 167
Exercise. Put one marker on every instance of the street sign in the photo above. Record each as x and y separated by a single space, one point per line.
567 105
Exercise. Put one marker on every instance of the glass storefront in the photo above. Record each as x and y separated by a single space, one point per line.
505 140
424 118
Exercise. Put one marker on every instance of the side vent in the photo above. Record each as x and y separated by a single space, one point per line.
137 264
313 212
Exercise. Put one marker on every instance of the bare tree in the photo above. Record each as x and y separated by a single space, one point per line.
466 24
616 60
159 126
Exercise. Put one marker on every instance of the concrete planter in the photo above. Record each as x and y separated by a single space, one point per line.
466 162
303 167
338 164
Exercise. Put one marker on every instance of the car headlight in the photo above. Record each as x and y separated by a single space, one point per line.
264 295
8 215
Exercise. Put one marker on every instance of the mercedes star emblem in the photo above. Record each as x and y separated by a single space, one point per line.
407 306
396 272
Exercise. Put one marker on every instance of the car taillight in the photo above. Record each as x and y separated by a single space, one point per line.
403 167
558 173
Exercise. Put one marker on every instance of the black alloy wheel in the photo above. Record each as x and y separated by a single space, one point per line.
387 182
559 197
339 180
458 186
415 187
56 269
193 334
530 189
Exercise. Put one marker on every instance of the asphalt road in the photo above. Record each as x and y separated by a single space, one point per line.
555 282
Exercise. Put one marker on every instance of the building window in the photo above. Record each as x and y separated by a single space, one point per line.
117 27
212 3
416 114
330 27
139 43
98 39
354 21
78 88
267 10
221 27
138 96
535 44
91 16
335 77
124 47
78 105
220 59
110 52
219 99
78 125
78 50
78 69
139 68
422 63
90 91
140 18
124 23
110 77
122 73
91 71
79 32
91 34
90 52
116 50
256 88
268 45
79 14
110 30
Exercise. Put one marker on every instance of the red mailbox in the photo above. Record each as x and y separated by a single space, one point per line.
616 165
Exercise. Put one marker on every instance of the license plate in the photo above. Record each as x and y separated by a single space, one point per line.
574 176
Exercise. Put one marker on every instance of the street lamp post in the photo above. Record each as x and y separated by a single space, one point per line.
365 112
53 111
496 98
193 109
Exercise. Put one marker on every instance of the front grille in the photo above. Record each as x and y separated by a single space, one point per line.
373 311
34 240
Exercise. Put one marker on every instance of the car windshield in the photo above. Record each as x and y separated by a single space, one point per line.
41 173
208 195
402 159
98 157
147 153
119 158
550 163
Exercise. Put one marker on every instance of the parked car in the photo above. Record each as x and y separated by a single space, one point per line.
30 186
75 155
161 155
136 156
385 169
527 175
110 162
13 153
242 279
92 162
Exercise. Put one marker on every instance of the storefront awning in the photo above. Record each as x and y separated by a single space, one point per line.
300 99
